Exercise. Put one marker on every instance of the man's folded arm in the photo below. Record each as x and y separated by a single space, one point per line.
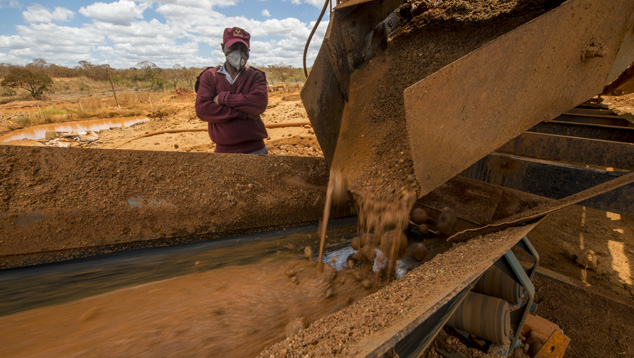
254 102
209 111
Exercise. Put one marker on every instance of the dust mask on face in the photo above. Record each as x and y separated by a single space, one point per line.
237 59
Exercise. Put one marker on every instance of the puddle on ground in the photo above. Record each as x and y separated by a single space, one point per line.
80 127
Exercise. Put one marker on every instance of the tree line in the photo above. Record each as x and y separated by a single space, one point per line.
36 77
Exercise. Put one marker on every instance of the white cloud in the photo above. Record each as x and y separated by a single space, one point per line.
56 44
316 3
188 33
61 14
281 27
163 55
9 4
201 4
39 13
123 12
56 35
140 32
14 42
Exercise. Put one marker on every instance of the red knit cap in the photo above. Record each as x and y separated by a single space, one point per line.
236 34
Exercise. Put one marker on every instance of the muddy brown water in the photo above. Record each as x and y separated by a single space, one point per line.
28 288
226 298
95 125
31 287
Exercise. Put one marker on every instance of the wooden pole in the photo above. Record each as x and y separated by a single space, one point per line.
268 125
112 85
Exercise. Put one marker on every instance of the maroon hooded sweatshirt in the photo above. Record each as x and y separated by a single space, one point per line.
228 124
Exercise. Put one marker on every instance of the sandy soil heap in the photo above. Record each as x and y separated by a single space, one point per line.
60 203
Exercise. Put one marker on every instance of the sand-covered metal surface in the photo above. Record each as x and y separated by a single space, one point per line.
361 328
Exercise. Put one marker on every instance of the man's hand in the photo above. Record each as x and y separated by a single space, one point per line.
216 100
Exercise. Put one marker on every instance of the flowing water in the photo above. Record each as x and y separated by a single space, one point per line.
31 287
227 298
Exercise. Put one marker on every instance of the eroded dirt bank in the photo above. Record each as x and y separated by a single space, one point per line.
59 203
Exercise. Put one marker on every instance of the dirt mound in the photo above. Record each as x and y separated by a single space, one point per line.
291 97
8 127
300 146
183 92
60 203
598 327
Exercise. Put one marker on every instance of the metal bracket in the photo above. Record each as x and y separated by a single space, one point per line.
512 267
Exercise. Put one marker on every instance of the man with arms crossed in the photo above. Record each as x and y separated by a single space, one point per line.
231 97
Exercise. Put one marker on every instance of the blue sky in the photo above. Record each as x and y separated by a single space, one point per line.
167 32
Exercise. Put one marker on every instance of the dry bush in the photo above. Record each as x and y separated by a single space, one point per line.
50 114
79 85
132 104
94 106
294 87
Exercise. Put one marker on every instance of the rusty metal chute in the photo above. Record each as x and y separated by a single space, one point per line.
465 111
356 31
532 74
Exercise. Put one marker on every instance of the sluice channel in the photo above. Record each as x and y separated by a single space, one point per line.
31 287
28 288
235 278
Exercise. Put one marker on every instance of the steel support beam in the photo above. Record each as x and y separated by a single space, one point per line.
551 179
593 131
594 119
602 153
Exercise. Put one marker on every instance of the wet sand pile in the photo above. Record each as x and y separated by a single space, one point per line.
361 328
230 312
